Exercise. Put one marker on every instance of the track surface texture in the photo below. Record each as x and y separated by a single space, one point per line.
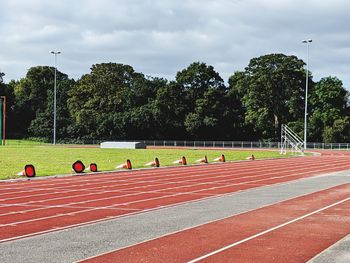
280 210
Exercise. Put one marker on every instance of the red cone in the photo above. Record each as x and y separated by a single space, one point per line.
154 163
182 161
220 159
203 160
126 165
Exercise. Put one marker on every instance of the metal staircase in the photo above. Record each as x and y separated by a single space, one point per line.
290 140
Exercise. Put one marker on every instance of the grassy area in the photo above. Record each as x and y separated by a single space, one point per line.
50 160
21 143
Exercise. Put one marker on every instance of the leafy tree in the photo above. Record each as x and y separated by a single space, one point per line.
2 74
169 111
100 98
42 125
272 90
206 120
338 132
235 111
34 102
115 102
204 91
196 79
328 102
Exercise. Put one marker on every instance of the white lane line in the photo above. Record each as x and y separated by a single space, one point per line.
131 183
135 178
192 170
227 175
267 231
165 195
132 180
39 203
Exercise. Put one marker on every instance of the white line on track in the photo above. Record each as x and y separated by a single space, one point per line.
222 173
164 173
111 206
95 208
166 195
132 213
267 231
226 182
135 176
130 180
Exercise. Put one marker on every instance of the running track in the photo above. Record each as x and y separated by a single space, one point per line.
34 207
284 227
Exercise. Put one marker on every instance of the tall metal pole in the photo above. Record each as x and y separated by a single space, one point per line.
306 90
54 97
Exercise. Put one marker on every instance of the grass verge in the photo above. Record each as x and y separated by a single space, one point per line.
51 160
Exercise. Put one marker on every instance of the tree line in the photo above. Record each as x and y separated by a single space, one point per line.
114 102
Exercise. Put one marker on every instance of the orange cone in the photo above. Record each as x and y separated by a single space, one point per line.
252 157
22 173
220 159
182 161
153 163
203 160
126 165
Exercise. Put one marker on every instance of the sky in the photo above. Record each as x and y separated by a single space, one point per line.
161 37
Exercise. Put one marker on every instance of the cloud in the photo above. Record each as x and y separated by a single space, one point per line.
161 37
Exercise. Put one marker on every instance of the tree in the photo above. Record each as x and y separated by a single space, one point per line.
33 104
2 74
206 117
142 120
204 92
272 90
42 125
235 110
196 79
101 98
169 110
338 132
328 102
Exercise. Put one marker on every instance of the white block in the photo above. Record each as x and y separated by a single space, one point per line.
123 145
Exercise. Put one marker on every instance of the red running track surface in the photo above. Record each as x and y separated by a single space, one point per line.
39 206
291 231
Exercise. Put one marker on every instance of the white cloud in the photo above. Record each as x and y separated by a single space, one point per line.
161 37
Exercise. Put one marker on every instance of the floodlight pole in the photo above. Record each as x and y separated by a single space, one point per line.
307 42
54 97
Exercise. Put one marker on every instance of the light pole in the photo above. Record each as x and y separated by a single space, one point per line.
307 42
54 97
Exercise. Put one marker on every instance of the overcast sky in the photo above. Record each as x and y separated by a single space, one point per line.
161 37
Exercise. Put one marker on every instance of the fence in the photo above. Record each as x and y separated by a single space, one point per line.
214 144
242 144
198 144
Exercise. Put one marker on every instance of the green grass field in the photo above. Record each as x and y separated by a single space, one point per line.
53 160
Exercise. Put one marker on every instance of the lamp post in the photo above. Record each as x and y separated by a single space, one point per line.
307 42
54 97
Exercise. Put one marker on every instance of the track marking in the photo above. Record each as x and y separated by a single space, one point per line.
170 173
165 195
137 201
131 179
295 198
234 177
267 231
184 171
